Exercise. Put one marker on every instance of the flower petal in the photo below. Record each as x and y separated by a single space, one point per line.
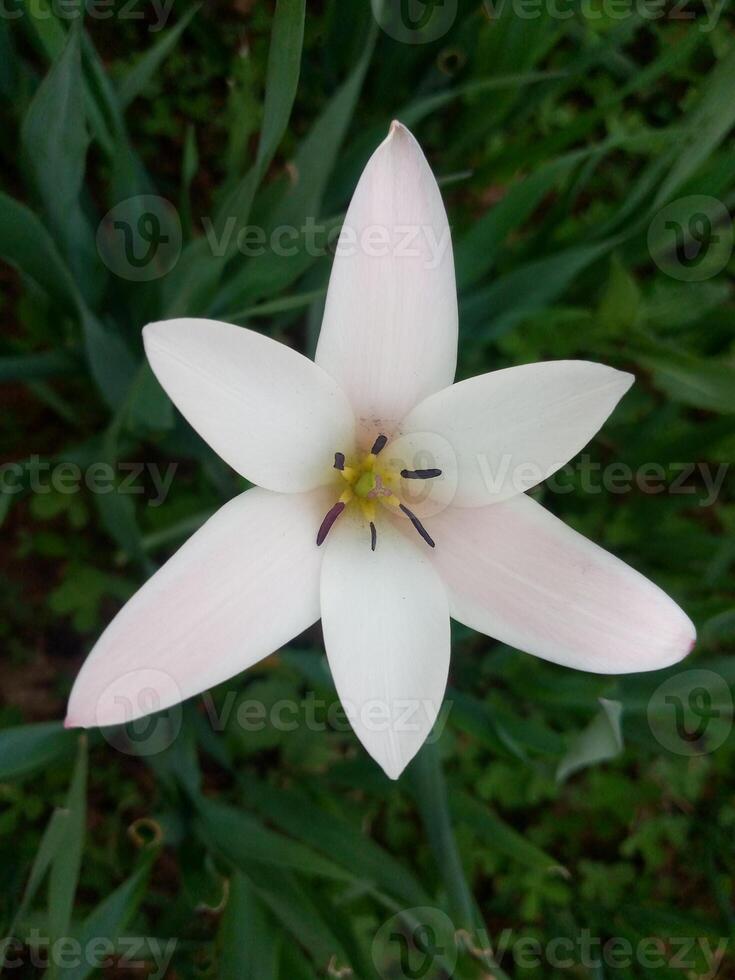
243 585
267 410
516 572
386 629
510 429
389 335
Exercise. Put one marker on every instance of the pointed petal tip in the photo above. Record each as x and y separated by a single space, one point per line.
627 380
401 134
391 766
156 331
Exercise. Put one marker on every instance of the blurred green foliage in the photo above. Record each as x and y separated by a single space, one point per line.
571 152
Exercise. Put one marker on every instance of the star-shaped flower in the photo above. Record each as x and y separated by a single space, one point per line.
388 498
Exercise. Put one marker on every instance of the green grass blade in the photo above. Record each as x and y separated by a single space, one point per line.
247 940
134 81
65 867
53 839
27 748
110 918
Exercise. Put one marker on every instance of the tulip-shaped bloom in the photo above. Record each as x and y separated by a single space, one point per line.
388 499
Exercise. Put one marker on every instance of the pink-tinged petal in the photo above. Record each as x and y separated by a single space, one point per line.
386 630
389 335
267 410
241 587
519 574
506 431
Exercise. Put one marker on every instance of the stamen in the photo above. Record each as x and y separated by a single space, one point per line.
339 461
420 474
373 536
379 445
329 520
418 525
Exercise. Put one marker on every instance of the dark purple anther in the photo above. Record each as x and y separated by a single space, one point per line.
373 536
420 474
330 518
379 445
418 525
339 461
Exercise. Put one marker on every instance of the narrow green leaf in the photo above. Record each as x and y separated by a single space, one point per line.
64 873
294 813
600 741
34 367
317 154
110 361
430 790
26 244
53 838
26 748
192 285
689 379
284 68
313 164
284 305
109 919
46 26
499 835
54 141
248 943
149 405
708 124
247 843
189 167
54 134
475 253
528 289
292 906
621 300
145 67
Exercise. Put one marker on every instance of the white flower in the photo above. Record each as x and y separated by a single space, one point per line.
393 563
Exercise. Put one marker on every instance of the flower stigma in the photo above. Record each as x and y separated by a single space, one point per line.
369 484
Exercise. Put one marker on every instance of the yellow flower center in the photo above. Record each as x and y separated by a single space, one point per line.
368 483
